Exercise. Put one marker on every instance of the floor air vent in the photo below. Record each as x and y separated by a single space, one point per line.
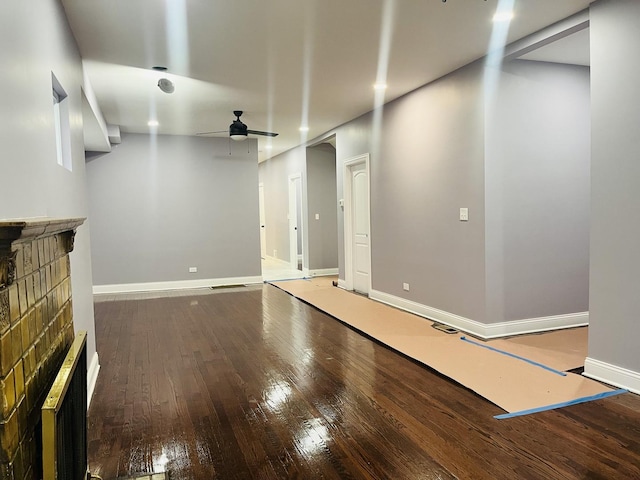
444 328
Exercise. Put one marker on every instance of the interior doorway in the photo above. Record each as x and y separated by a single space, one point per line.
357 224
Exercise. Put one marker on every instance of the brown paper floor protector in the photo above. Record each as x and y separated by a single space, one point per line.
513 383
560 349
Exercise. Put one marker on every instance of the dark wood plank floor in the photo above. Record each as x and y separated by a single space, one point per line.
255 384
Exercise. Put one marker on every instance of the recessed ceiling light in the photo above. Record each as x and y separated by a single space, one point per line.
153 123
304 129
159 68
379 86
503 16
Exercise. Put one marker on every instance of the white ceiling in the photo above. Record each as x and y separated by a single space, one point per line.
284 62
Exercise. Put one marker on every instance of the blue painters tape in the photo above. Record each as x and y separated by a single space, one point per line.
287 280
576 401
512 355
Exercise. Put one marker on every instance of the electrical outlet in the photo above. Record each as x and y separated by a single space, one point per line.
464 214
193 269
317 216
405 287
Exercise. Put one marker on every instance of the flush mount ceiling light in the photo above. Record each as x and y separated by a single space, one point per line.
166 85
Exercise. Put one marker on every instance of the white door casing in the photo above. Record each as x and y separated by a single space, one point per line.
357 224
263 232
360 219
295 184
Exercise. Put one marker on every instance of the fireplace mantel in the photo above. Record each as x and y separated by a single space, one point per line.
17 231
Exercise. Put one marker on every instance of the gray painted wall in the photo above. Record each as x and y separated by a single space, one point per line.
33 184
537 191
322 200
418 184
160 204
615 202
524 178
419 181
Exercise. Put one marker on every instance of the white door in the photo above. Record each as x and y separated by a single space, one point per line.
263 232
360 227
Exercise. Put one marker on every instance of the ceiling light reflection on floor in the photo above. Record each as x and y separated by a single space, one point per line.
277 394
313 436
160 464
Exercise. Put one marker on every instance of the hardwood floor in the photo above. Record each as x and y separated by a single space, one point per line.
252 383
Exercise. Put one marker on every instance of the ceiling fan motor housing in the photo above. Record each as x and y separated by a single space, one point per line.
237 130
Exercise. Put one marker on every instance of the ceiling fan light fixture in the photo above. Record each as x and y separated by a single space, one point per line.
237 130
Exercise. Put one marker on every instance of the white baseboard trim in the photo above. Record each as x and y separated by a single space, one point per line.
456 321
92 377
534 325
323 272
612 374
483 330
175 285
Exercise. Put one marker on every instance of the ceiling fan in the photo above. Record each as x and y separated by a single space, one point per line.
238 130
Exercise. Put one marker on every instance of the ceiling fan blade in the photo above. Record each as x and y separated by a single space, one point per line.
202 134
266 134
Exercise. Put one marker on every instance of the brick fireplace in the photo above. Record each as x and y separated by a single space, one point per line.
36 329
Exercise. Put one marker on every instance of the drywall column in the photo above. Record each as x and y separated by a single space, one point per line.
322 213
615 198
537 193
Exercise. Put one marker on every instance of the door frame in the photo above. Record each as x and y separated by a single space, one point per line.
262 213
347 186
293 202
